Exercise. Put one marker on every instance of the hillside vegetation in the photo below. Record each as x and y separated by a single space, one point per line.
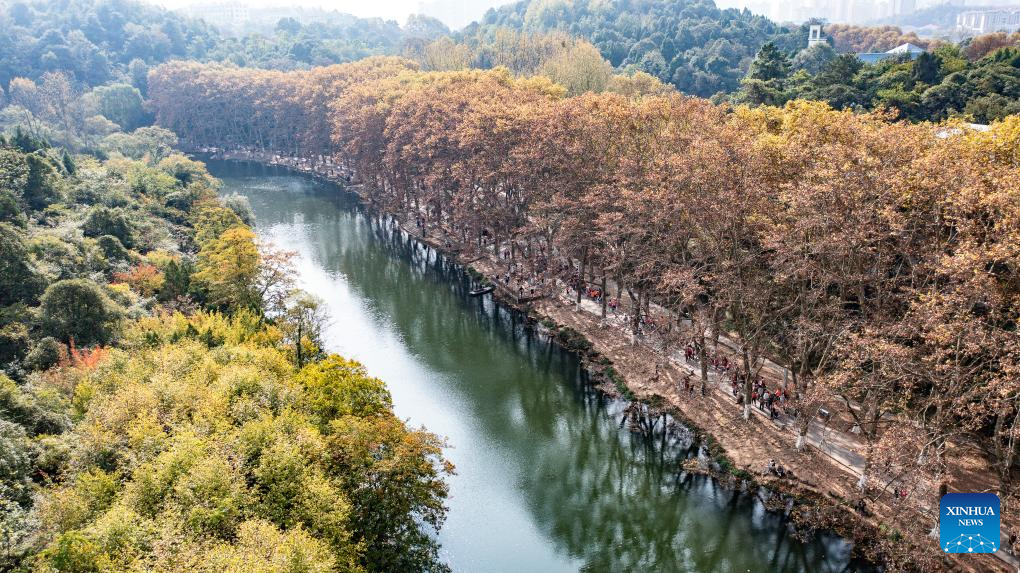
165 403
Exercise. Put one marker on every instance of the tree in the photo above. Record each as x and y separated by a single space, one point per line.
445 55
639 84
58 97
228 269
580 68
426 27
288 25
240 205
18 279
302 321
814 59
927 68
14 174
766 78
336 387
25 93
41 188
106 221
45 354
377 457
176 280
78 310
769 64
156 142
121 104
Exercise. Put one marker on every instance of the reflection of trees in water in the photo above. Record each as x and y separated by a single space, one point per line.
611 498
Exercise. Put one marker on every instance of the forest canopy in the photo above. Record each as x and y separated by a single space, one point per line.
834 243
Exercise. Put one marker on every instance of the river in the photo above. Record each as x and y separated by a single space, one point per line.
547 480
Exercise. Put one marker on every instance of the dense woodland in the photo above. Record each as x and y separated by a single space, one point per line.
97 41
692 46
979 82
164 401
876 260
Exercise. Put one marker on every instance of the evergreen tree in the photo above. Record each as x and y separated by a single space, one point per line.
769 65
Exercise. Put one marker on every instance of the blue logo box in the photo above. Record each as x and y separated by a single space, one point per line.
969 523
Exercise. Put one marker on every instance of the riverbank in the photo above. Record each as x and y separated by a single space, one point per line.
748 445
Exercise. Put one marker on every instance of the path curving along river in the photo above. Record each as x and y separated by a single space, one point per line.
547 480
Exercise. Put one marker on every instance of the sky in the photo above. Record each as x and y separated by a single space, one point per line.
389 9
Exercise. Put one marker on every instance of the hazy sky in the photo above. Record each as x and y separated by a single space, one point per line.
390 9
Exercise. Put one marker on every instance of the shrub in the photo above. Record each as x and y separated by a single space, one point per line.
78 309
18 280
145 279
113 249
619 383
106 221
46 354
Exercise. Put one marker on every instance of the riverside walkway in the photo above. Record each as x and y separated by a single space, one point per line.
843 447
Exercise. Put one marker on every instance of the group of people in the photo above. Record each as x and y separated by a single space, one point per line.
768 401
526 285
716 360
774 468
575 284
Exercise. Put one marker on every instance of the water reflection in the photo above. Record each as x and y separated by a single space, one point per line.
548 480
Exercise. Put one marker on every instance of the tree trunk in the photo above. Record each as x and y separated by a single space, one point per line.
604 297
300 358
703 360
748 383
580 279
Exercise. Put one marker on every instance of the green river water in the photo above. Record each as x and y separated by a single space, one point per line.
547 479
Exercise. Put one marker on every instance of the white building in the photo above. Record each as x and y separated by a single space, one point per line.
815 35
975 22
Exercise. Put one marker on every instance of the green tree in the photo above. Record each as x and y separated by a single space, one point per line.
106 221
121 104
378 458
45 354
19 281
337 387
814 59
770 64
927 68
41 188
302 322
176 280
78 309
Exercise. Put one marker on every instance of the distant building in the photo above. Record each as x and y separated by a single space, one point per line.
975 22
229 16
903 7
815 35
908 49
